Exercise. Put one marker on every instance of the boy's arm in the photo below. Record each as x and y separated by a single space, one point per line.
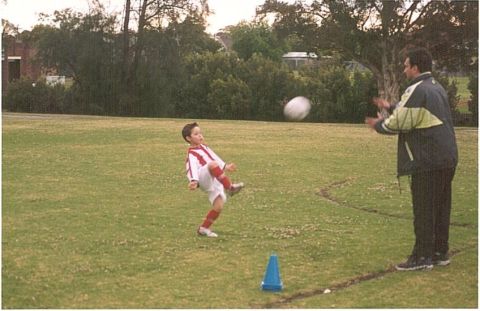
192 167
220 162
230 167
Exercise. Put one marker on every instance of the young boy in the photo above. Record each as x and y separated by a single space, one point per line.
205 169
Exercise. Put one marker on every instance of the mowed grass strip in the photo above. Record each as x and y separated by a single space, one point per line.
96 214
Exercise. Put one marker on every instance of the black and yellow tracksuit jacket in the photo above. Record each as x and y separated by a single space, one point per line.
423 122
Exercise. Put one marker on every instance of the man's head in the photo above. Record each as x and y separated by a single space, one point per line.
192 134
417 61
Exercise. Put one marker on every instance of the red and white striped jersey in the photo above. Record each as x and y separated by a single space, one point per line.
198 157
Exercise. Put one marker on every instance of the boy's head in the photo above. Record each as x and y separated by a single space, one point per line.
187 131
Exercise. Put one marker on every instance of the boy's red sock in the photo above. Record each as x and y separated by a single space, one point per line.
211 217
217 172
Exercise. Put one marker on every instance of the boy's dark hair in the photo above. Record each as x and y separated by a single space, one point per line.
187 130
421 58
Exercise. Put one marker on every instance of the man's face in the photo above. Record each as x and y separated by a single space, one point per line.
409 71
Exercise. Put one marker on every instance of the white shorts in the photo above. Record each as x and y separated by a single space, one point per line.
210 185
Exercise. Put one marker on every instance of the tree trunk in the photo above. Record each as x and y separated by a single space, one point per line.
388 88
125 97
389 78
126 39
131 80
139 42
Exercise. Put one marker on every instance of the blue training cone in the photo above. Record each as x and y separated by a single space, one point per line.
271 280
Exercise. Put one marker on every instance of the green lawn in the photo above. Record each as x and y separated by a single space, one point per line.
96 214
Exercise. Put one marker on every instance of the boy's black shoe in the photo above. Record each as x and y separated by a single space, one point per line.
440 259
414 263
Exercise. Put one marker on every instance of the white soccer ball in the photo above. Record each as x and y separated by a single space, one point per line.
297 108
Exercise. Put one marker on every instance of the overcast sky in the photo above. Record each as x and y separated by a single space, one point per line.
24 13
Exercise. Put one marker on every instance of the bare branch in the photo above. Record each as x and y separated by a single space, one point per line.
419 17
365 21
409 12
376 7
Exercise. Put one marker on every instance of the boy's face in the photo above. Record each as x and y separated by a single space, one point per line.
196 137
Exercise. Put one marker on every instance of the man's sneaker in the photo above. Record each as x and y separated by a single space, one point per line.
206 232
235 188
414 263
440 259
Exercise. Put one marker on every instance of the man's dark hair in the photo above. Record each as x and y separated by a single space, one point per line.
187 130
421 58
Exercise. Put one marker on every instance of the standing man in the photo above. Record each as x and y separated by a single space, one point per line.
427 150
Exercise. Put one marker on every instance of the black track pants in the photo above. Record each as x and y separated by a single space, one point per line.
432 202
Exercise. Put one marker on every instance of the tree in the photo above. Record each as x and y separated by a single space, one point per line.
270 83
450 31
123 73
190 36
200 70
126 41
150 15
8 29
231 98
375 32
161 71
82 46
295 25
251 38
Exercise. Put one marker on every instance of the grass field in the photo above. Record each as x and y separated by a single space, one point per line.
96 214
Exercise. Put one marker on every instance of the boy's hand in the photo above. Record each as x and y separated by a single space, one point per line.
231 167
193 185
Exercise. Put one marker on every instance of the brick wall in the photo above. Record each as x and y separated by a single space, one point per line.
14 53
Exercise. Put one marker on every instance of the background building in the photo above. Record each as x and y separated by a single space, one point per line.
18 61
